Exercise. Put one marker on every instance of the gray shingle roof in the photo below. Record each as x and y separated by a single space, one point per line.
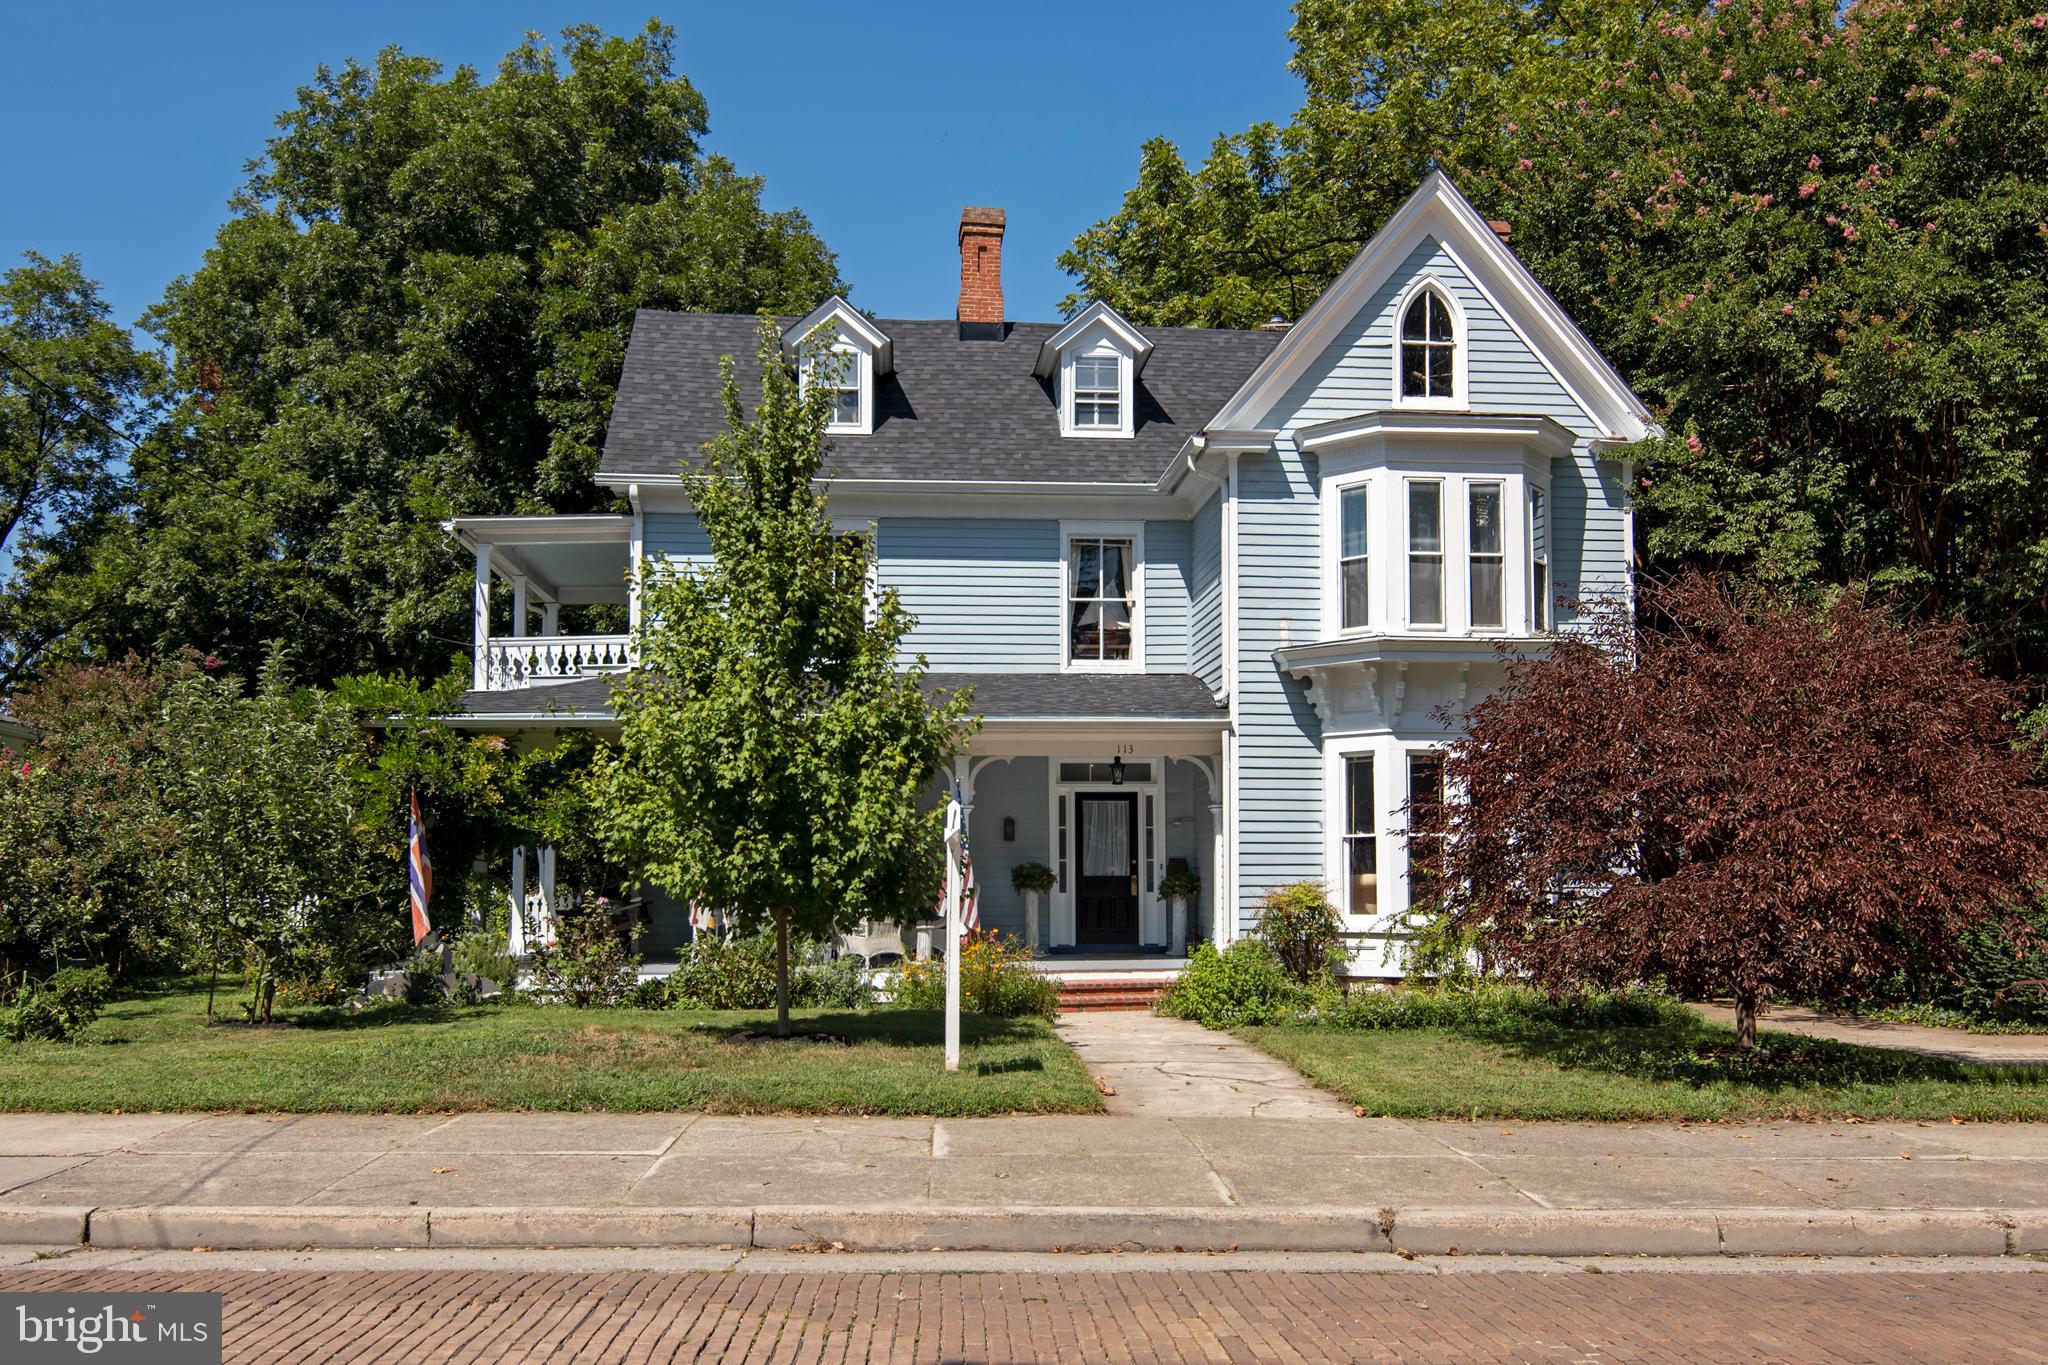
953 409
997 696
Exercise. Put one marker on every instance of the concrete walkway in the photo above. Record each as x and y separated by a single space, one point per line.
1022 1184
1171 1068
2003 1049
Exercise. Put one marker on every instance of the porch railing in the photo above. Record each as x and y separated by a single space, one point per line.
529 660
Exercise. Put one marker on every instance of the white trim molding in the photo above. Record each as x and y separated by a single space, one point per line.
1134 532
1460 396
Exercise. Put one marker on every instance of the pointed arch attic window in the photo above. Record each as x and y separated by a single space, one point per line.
1429 348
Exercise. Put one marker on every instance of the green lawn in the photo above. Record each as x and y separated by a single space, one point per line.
1670 1071
153 1051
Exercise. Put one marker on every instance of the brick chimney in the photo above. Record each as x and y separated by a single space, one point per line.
981 274
1501 228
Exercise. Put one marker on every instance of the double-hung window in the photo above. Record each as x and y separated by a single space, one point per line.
1353 541
839 373
1098 393
1425 552
1484 549
1361 839
1425 829
1101 599
1539 563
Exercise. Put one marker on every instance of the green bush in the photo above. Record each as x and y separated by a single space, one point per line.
1301 926
58 1009
1241 984
993 980
1495 1004
1032 877
717 973
587 967
650 994
482 953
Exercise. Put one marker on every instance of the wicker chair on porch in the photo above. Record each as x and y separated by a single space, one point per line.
876 943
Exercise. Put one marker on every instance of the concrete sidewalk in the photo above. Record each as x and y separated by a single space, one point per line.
1951 1044
1023 1184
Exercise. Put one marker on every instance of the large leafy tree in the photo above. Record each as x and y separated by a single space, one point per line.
1743 794
1819 242
1813 236
1390 90
771 753
420 309
70 381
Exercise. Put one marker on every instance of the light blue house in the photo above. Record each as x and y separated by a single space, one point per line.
1219 593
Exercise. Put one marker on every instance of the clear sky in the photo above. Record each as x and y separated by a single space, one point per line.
125 126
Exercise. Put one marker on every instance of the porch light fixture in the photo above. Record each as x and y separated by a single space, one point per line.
1116 772
1009 829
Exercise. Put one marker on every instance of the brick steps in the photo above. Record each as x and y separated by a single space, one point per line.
1126 994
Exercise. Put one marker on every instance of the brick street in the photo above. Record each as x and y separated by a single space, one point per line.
502 1313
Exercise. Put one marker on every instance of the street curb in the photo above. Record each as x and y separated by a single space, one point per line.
283 1228
1556 1232
1862 1232
1471 1231
1029 1228
601 1227
43 1224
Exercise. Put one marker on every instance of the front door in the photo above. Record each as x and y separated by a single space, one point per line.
1106 899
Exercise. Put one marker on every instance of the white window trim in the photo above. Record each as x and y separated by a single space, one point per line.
1445 553
864 382
1390 755
871 527
1539 611
1508 576
1461 348
1103 347
1133 531
1333 547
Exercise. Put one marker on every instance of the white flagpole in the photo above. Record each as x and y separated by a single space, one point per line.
952 935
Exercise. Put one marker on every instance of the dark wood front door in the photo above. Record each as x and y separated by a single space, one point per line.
1106 903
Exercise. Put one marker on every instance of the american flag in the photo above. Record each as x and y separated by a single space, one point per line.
970 912
700 918
422 878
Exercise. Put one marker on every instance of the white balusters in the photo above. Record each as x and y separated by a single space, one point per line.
525 661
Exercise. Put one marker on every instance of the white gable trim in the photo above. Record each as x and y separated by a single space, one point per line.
1438 209
840 315
1134 342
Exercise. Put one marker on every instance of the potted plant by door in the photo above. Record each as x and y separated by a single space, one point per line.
1179 888
1031 880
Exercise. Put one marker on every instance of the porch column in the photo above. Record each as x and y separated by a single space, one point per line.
551 618
516 940
519 606
481 609
547 891
1219 894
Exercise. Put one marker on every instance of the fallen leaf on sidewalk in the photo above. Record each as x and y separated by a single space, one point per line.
1103 1086
444 1170
1357 1110
1905 1156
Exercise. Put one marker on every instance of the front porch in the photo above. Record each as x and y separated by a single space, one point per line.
549 563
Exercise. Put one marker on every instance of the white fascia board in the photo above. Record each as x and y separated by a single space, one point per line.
1552 437
545 529
1437 207
1136 342
530 720
1369 649
837 312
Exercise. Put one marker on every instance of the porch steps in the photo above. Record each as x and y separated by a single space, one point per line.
1099 993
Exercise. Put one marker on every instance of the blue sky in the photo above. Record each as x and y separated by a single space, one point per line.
129 124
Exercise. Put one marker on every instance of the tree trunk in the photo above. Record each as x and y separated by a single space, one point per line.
1745 1017
269 995
782 973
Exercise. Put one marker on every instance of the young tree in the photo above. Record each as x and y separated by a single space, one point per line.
271 861
1742 794
772 751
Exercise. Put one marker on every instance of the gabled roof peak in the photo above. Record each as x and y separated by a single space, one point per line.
1139 345
837 312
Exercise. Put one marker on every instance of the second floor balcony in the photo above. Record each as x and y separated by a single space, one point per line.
547 564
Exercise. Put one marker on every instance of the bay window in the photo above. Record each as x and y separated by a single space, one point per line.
1361 841
1425 552
1351 559
1484 549
1539 564
1425 828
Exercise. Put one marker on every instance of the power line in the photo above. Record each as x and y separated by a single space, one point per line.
21 367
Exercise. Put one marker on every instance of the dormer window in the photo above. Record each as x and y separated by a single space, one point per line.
851 355
1098 392
1429 367
1092 366
840 371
